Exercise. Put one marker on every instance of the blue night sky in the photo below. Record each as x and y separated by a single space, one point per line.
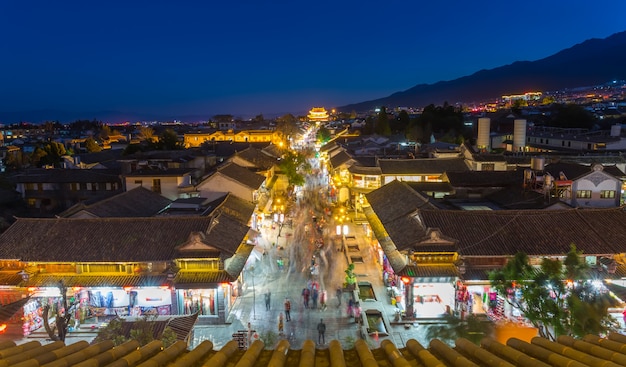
177 58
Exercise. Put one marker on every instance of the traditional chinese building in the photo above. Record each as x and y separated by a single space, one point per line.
318 114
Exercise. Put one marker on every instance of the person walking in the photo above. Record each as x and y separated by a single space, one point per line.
321 329
280 324
287 309
268 297
339 296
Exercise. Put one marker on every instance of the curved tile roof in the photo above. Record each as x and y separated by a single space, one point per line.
540 352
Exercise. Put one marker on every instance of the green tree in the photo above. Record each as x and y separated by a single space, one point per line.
290 165
142 331
287 124
323 134
401 123
168 140
472 328
382 123
557 298
48 154
147 133
572 116
92 146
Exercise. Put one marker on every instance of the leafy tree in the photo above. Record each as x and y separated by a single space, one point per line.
401 123
92 146
472 328
168 140
557 298
132 149
350 279
290 164
572 116
48 154
323 134
287 124
142 331
382 123
147 133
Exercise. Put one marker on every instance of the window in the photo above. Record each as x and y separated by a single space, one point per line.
139 182
156 185
583 194
607 194
488 166
74 186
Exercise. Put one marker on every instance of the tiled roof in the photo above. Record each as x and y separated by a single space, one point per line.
7 311
516 198
535 232
115 239
485 178
12 278
170 172
340 158
242 175
406 217
38 175
257 158
394 200
431 186
540 352
362 170
238 208
138 202
329 146
421 166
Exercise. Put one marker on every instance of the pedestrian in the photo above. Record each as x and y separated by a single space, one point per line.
323 300
321 329
357 313
305 297
314 298
287 309
268 297
351 307
280 324
339 296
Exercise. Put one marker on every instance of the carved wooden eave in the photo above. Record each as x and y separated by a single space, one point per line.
196 242
435 237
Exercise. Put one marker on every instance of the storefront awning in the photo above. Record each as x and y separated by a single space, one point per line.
93 281
193 280
430 272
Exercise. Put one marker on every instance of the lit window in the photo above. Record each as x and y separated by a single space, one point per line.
156 185
583 194
607 194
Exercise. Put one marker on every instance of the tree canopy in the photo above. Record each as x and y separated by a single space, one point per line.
558 297
290 164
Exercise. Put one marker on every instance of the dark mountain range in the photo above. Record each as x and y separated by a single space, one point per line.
593 62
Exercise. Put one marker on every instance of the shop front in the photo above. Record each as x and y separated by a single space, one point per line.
429 290
96 304
209 294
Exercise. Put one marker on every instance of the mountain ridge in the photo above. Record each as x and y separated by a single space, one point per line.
591 62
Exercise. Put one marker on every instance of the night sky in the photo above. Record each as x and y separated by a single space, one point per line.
179 58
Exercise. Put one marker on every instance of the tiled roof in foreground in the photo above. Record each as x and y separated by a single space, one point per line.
567 351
